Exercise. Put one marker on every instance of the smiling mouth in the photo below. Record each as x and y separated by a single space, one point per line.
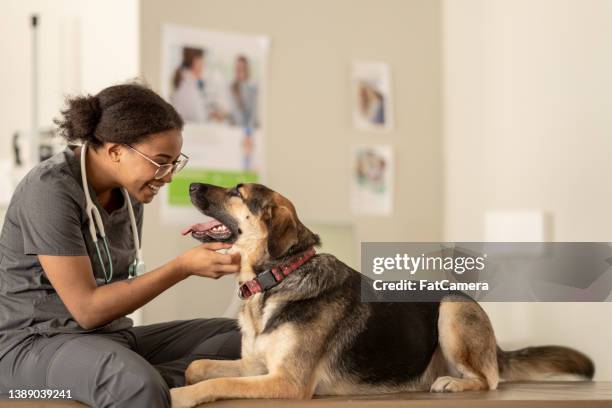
214 229
153 188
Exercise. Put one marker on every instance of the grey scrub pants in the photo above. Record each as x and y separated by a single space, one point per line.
130 368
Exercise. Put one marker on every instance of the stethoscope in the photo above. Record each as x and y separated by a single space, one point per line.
138 266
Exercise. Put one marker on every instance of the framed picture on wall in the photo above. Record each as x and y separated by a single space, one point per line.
372 180
371 97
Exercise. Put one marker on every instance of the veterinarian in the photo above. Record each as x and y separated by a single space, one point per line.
64 297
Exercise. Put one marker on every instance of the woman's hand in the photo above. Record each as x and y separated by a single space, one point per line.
204 261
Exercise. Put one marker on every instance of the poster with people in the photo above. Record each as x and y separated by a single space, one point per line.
216 81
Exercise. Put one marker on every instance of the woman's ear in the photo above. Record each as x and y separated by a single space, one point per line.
114 151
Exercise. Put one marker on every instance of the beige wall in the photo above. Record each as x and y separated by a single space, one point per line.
527 126
308 122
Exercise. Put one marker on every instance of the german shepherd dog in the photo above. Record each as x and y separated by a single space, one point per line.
311 335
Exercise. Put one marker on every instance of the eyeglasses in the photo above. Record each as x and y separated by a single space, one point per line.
164 169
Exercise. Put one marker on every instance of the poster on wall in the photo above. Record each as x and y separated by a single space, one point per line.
372 180
217 83
372 103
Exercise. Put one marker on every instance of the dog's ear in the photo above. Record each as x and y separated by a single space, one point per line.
286 234
282 230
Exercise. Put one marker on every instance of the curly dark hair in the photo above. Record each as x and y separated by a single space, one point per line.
126 113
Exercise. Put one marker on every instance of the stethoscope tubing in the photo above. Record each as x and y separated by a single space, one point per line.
95 220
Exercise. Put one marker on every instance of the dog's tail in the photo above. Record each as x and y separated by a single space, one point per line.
544 363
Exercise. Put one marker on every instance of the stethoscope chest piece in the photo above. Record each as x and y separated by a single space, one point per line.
137 268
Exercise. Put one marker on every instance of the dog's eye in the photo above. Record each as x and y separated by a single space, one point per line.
234 192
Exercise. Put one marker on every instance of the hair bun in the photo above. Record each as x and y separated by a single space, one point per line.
96 109
80 119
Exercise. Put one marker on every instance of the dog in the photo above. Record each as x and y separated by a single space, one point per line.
305 331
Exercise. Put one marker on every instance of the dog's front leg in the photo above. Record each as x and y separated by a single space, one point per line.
205 369
261 386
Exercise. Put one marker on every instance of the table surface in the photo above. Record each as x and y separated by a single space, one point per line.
518 394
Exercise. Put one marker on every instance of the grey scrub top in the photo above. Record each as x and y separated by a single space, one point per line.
46 216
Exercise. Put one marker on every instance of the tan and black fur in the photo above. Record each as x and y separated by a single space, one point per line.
311 334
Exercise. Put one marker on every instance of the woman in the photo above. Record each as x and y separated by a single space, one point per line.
243 111
61 326
188 94
193 93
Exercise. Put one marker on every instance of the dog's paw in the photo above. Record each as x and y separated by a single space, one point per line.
447 384
181 398
189 396
194 373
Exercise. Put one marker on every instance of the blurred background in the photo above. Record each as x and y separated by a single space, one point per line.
501 124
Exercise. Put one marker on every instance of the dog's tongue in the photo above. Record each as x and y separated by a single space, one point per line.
201 227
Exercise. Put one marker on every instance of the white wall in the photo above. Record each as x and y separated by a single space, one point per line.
84 46
527 125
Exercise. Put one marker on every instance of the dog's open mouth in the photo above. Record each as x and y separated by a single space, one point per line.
213 230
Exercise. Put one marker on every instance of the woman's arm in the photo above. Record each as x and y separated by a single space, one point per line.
93 306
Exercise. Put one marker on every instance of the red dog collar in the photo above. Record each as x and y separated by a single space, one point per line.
272 277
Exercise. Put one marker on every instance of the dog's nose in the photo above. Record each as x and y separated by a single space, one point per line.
197 187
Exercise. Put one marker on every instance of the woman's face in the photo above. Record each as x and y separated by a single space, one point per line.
197 67
137 174
242 72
